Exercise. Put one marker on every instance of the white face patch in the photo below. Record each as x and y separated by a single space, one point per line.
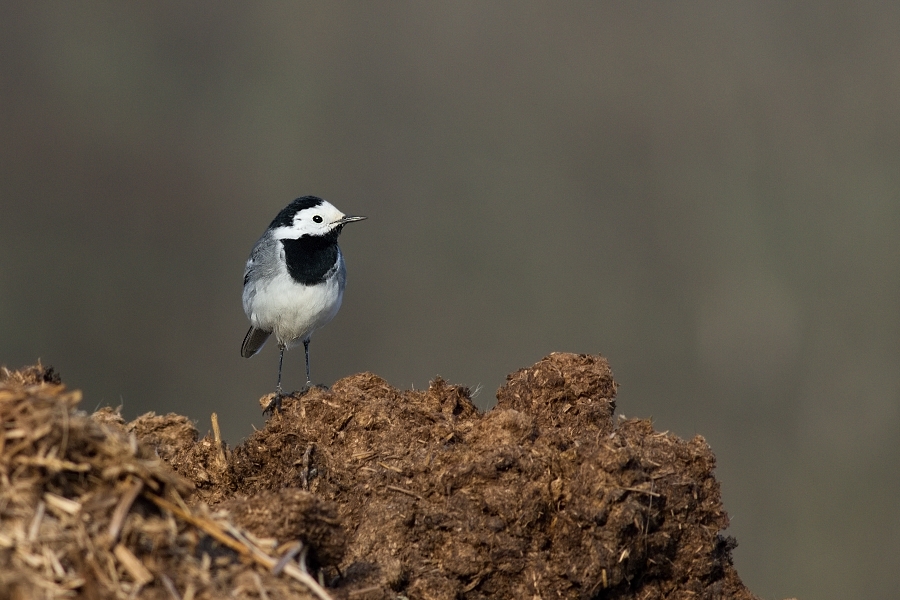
317 220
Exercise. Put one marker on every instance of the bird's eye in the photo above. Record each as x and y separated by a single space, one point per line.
317 219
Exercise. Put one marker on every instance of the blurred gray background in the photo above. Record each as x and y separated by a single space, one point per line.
708 194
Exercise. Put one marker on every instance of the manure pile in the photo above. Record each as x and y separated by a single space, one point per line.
362 491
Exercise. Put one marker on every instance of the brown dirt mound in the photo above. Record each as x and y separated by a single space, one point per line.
394 494
87 510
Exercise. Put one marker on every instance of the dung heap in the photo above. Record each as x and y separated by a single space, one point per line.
370 491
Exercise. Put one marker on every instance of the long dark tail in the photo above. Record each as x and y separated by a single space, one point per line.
253 341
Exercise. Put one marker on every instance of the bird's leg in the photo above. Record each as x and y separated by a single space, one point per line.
275 404
306 349
280 363
309 384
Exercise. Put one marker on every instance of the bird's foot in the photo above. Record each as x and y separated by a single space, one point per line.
274 405
310 385
307 388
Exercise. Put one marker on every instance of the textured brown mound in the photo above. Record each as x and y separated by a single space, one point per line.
417 494
540 497
87 510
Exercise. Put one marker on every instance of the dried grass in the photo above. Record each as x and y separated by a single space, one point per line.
86 510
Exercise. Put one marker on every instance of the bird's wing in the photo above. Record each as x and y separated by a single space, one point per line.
253 341
248 269
263 259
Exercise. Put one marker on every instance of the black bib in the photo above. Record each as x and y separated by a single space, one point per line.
310 257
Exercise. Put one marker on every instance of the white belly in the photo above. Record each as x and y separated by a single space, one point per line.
290 310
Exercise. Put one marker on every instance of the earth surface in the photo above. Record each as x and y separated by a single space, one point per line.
362 491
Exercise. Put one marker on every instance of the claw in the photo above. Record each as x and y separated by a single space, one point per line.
274 405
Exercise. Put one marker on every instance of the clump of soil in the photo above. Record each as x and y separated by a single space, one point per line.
382 493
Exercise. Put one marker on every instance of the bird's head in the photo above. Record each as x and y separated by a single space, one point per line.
309 215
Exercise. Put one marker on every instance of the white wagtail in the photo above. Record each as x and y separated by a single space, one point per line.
294 280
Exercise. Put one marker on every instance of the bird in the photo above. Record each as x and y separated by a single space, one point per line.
294 280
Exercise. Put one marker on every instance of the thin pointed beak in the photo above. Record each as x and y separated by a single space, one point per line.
345 219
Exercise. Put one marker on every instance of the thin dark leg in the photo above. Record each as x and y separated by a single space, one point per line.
306 348
280 362
275 404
